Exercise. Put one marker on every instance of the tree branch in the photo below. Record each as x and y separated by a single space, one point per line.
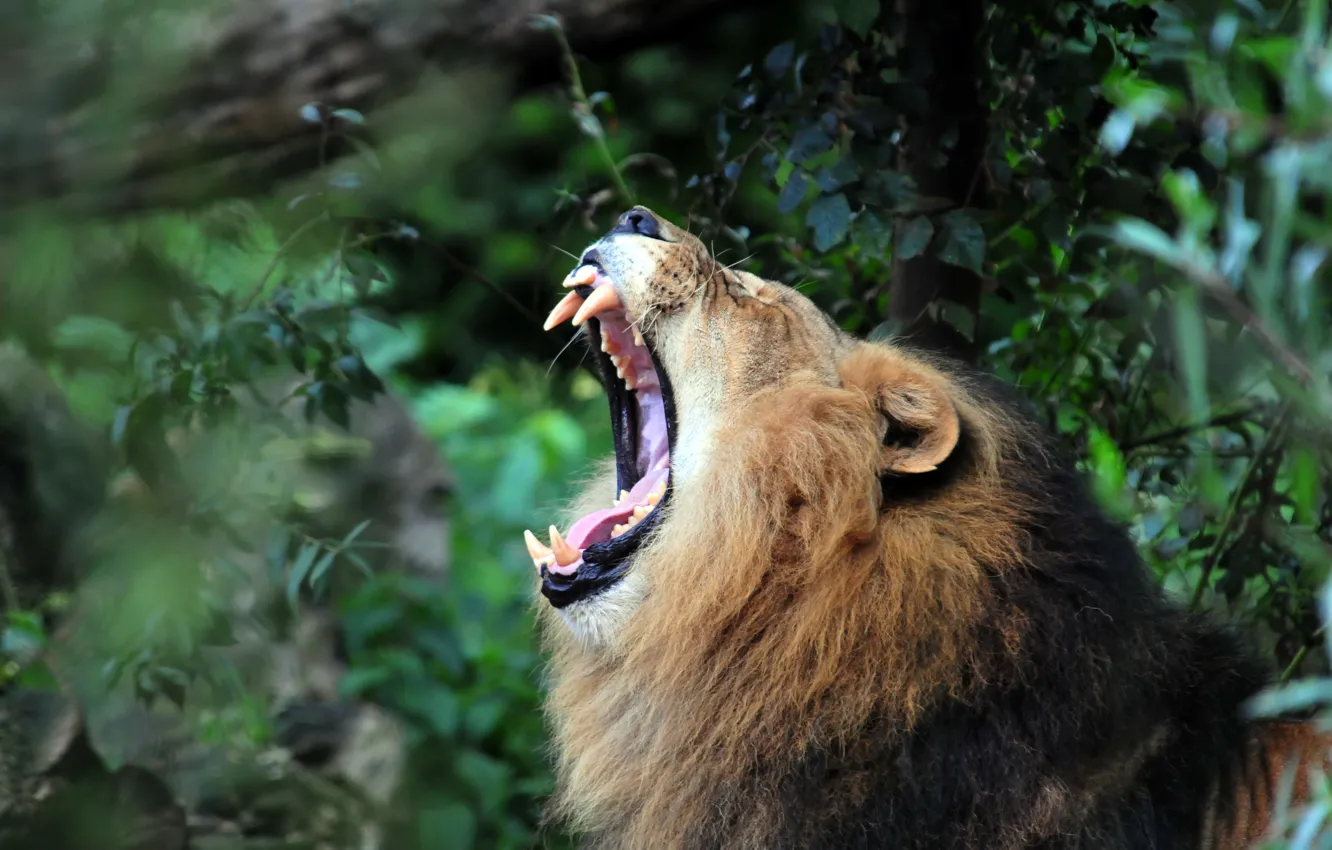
176 104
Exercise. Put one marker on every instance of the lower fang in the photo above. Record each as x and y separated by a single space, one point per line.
564 553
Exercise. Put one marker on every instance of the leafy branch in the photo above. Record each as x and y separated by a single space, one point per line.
584 111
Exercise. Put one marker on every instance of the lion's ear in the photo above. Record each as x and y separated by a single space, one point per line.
921 425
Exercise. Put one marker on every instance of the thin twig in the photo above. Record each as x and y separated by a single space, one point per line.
1273 439
1218 421
1222 294
494 287
1294 663
277 258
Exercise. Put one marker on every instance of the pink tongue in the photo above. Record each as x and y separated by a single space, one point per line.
596 526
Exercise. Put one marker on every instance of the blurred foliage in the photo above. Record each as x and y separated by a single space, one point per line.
1146 226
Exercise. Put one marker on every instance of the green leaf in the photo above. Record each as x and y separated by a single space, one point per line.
1190 337
1109 471
963 241
453 825
1297 696
841 173
913 235
793 192
1143 237
778 61
351 116
857 15
872 234
439 707
1305 484
300 568
322 566
829 216
359 680
808 143
356 532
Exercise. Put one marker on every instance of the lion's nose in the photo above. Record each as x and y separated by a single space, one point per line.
640 222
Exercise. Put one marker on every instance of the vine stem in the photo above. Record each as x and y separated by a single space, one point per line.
583 103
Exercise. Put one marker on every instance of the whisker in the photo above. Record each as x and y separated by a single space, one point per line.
583 359
744 260
568 254
556 358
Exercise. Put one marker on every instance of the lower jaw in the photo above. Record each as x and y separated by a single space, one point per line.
604 564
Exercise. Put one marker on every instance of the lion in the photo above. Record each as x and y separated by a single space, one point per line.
847 594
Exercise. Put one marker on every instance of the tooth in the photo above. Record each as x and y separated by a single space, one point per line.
624 494
581 276
641 511
564 553
603 298
638 337
624 369
541 554
608 343
563 310
631 522
653 498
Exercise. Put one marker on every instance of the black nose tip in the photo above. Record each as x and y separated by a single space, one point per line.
640 222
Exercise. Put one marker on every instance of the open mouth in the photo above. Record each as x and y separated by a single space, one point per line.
595 552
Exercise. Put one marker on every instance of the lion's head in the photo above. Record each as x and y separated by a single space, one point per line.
701 362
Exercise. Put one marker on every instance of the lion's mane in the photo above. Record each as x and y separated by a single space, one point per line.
833 657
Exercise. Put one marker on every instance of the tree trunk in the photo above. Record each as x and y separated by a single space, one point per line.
950 33
144 103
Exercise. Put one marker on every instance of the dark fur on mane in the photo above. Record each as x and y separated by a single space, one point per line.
1107 666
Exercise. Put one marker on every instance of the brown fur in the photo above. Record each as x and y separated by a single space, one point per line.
1279 759
787 605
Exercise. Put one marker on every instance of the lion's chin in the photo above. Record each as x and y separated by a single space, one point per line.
597 620
595 552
